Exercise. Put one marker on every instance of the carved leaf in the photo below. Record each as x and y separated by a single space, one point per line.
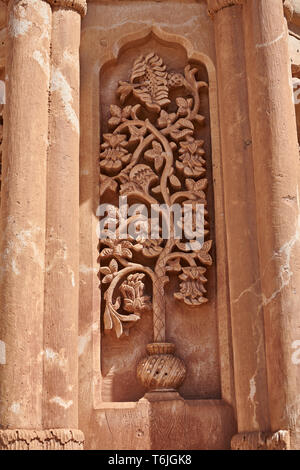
124 90
203 255
174 181
150 82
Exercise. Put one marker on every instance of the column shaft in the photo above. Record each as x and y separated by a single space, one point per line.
62 233
23 210
276 163
243 263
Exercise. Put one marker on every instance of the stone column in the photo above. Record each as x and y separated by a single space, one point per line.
60 408
42 57
23 212
240 213
276 173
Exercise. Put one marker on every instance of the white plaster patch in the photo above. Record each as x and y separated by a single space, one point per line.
73 278
84 172
2 353
2 92
60 84
44 12
251 397
14 267
84 339
55 357
86 270
296 354
70 58
252 389
15 408
38 56
18 27
60 402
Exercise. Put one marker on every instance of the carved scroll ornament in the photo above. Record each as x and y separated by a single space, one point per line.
152 156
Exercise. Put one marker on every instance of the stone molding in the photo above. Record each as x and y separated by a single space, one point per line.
216 5
49 439
78 5
279 440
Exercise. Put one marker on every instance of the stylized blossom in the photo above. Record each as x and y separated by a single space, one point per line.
192 288
175 79
139 180
107 183
114 154
117 248
156 154
109 271
165 119
191 153
118 114
174 265
137 133
150 247
184 105
133 293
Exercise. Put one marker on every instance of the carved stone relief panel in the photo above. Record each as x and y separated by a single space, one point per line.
158 292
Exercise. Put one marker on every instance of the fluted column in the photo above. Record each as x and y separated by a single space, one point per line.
276 173
23 213
240 212
39 246
60 394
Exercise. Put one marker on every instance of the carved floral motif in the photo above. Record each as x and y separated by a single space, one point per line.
152 155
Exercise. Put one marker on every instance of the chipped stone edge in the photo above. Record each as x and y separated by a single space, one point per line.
49 439
279 440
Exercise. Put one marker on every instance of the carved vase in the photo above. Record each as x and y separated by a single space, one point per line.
161 370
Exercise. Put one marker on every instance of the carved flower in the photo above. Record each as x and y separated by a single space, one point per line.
139 180
109 271
137 133
107 183
151 247
175 79
156 154
117 248
114 154
133 293
118 115
192 288
165 119
191 153
184 105
174 265
197 187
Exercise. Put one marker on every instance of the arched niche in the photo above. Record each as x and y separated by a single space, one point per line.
194 330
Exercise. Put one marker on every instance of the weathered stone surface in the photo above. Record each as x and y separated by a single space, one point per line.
147 343
261 441
51 439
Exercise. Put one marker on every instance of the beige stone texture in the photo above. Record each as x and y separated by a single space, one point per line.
145 344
